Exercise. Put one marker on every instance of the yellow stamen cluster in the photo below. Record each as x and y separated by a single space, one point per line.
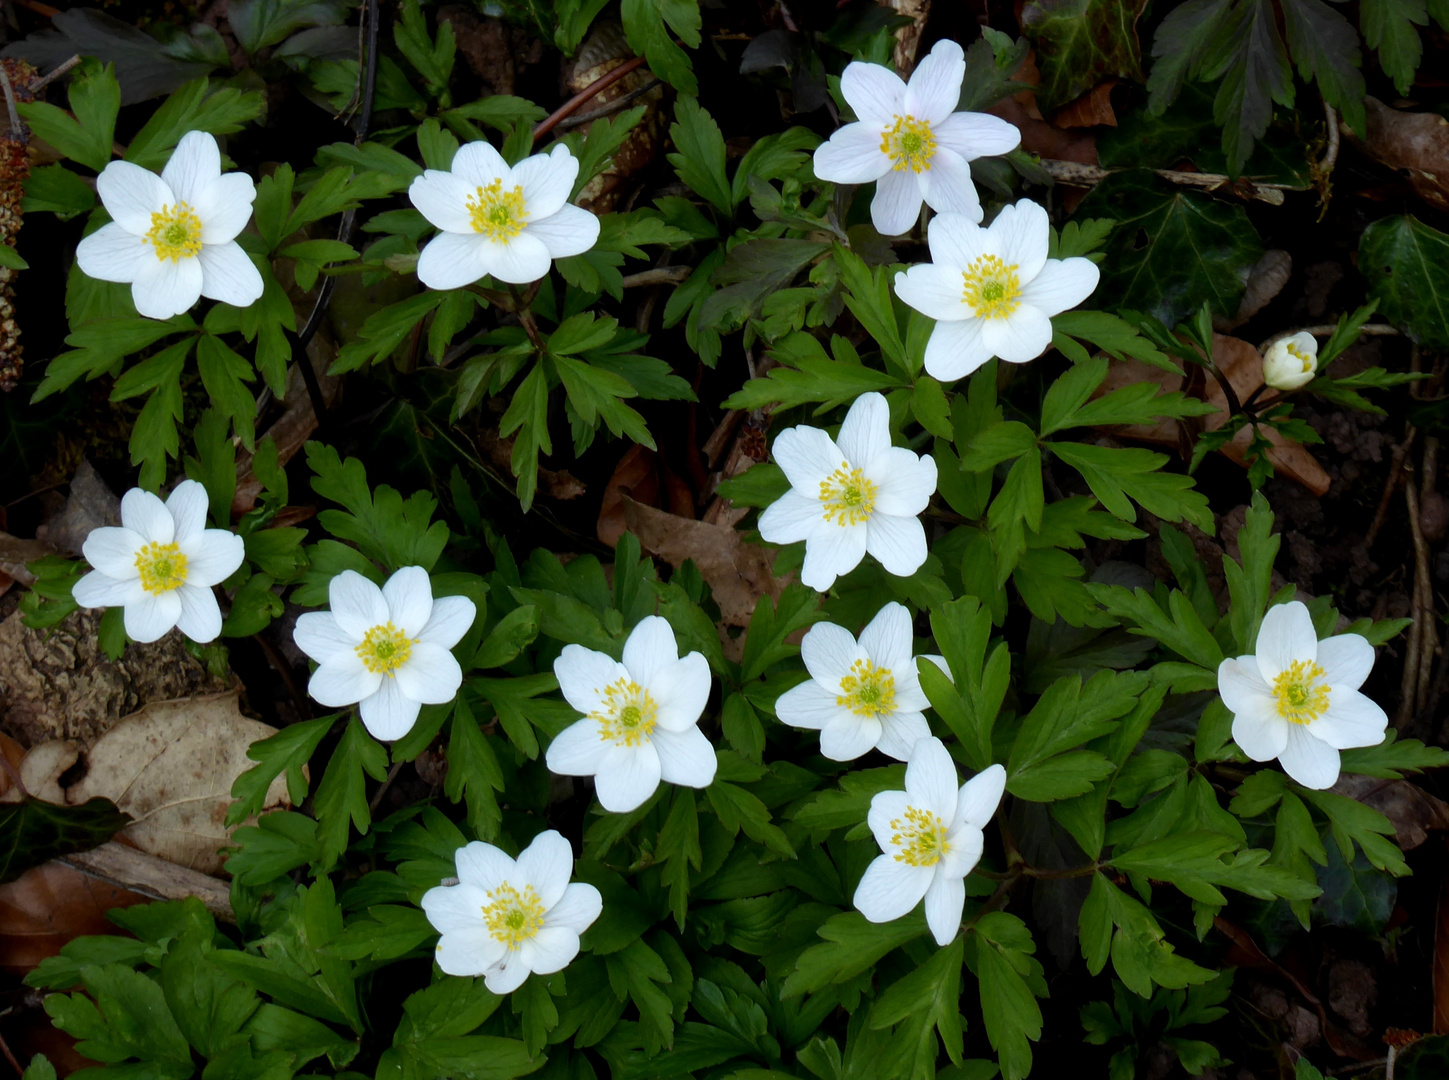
175 232
920 838
1301 694
384 649
1308 362
868 690
162 568
991 287
627 714
910 144
847 496
513 917
498 214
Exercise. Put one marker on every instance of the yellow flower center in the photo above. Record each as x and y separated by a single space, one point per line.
175 232
868 690
921 838
384 649
848 497
162 568
1302 697
627 715
991 288
909 144
1308 361
498 214
513 917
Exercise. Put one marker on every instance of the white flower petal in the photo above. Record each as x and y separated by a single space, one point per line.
1019 235
318 635
886 639
431 674
468 952
964 853
357 604
1021 336
898 543
112 551
945 900
889 889
547 864
897 202
452 260
681 691
931 779
865 433
409 598
904 481
935 87
1286 636
829 652
200 617
974 135
150 618
978 798
649 647
225 207
578 910
131 195
626 777
451 908
146 514
848 736
1352 720
342 680
518 261
1262 736
876 93
442 198
1346 660
852 155
576 750
1243 689
901 730
547 180
685 757
479 164
229 275
1062 284
832 551
164 288
509 973
97 590
808 705
956 241
484 866
584 673
886 808
1309 760
388 714
195 164
791 517
212 556
807 456
187 505
451 618
955 349
934 290
553 947
947 186
570 231
113 254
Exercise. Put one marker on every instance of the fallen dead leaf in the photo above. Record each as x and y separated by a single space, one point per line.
642 476
15 754
1092 108
1243 367
1265 281
15 553
88 505
1412 811
171 766
908 37
1415 144
738 573
48 905
43 765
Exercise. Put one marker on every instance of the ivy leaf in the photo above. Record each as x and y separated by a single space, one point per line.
33 831
1172 249
1080 43
1406 264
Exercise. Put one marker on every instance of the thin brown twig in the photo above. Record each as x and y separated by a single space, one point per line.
1330 156
609 109
1075 173
1396 469
1327 329
1422 639
17 129
39 8
599 85
49 77
659 275
10 1057
376 799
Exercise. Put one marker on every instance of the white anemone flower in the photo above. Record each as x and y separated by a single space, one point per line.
911 140
509 223
861 695
992 291
385 650
1291 362
851 494
505 917
640 717
931 838
172 237
1296 698
160 565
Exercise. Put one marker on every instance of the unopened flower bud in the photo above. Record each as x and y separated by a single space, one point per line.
1291 362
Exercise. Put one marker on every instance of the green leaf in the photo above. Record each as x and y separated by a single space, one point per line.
649 26
387 528
224 373
527 414
1323 43
58 190
1406 265
342 795
1172 249
851 946
259 23
196 106
772 624
39 1068
700 161
869 298
1117 474
285 752
474 774
1008 1003
1389 27
1081 43
33 831
434 62
10 259
89 135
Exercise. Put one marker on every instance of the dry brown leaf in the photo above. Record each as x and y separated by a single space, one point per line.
171 767
643 476
1265 281
1413 144
738 573
15 754
1243 367
89 504
48 905
43 765
1412 811
1092 108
